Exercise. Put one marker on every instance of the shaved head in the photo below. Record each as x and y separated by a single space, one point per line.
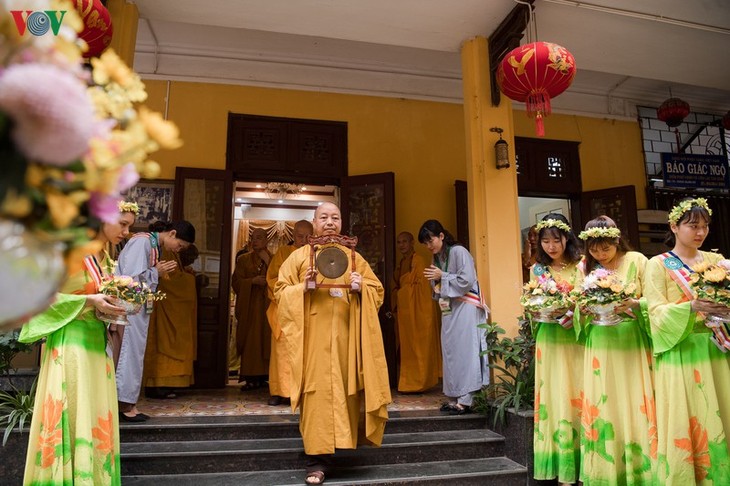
406 234
327 220
302 229
404 242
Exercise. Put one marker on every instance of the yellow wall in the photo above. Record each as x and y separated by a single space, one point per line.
422 142
611 152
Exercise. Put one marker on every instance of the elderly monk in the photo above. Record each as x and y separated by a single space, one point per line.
336 349
253 337
279 366
417 321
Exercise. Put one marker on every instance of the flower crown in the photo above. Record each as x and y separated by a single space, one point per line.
128 207
552 223
678 211
600 232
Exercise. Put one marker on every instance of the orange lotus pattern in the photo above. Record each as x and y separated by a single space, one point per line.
104 434
649 409
51 432
698 448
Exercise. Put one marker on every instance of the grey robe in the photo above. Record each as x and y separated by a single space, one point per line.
461 340
134 261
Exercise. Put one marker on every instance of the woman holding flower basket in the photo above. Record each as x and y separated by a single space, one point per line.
618 436
559 359
74 434
140 260
692 365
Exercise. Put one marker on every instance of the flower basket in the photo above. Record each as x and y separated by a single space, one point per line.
545 299
601 292
130 308
712 282
128 294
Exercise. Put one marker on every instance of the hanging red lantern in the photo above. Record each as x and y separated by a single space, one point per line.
673 111
533 74
97 32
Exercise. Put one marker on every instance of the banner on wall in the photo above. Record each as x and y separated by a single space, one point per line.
692 170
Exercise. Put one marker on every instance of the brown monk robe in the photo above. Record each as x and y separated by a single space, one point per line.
339 374
253 336
279 366
173 333
418 322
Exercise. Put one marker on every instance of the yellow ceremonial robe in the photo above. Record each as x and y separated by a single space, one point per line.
173 332
253 337
279 366
417 326
336 350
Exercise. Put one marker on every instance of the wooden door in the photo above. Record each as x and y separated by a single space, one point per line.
204 197
618 203
368 212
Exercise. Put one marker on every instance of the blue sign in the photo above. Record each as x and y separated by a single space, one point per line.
689 170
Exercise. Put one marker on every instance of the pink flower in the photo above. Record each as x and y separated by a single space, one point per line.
128 177
52 114
105 207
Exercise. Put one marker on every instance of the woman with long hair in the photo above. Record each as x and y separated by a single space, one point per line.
558 360
618 435
454 282
74 434
140 260
692 373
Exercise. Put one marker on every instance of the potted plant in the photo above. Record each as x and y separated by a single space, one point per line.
9 376
17 391
510 397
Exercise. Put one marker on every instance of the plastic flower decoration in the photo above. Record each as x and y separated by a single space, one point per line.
678 211
552 223
602 287
127 289
71 139
600 232
711 282
546 292
128 207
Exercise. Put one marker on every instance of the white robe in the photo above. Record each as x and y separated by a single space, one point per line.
461 340
134 261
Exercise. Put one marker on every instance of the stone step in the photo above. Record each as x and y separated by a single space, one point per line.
192 457
495 471
278 426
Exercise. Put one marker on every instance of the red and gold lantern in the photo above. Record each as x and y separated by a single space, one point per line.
97 32
535 73
673 111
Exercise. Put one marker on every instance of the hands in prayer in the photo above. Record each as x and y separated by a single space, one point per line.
355 281
433 273
165 266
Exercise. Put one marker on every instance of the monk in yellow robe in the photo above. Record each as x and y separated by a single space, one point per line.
253 337
336 350
417 321
279 366
173 332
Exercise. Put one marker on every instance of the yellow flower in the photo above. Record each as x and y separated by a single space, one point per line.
62 208
630 288
164 132
125 281
110 68
604 283
15 205
700 267
537 292
151 170
694 278
616 287
715 274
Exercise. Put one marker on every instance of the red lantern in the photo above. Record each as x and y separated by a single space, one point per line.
97 32
534 73
673 111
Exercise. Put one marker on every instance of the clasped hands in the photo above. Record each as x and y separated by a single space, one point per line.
433 273
165 266
355 279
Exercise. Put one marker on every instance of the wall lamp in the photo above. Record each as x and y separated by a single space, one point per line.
501 149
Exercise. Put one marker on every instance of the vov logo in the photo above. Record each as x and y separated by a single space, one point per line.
38 22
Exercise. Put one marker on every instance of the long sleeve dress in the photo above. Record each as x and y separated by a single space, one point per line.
692 382
558 392
465 371
618 422
74 434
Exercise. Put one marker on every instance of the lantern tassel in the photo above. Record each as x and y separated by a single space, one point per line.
539 126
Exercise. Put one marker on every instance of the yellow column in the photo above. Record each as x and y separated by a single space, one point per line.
493 210
125 17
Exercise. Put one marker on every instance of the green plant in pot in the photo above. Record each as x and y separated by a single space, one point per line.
513 359
16 406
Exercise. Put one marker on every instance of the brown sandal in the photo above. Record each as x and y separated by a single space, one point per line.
317 477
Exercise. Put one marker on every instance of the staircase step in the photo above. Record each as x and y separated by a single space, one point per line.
167 429
140 458
495 471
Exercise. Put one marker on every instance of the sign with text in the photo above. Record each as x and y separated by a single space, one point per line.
690 170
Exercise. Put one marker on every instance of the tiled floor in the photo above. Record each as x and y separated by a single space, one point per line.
232 401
